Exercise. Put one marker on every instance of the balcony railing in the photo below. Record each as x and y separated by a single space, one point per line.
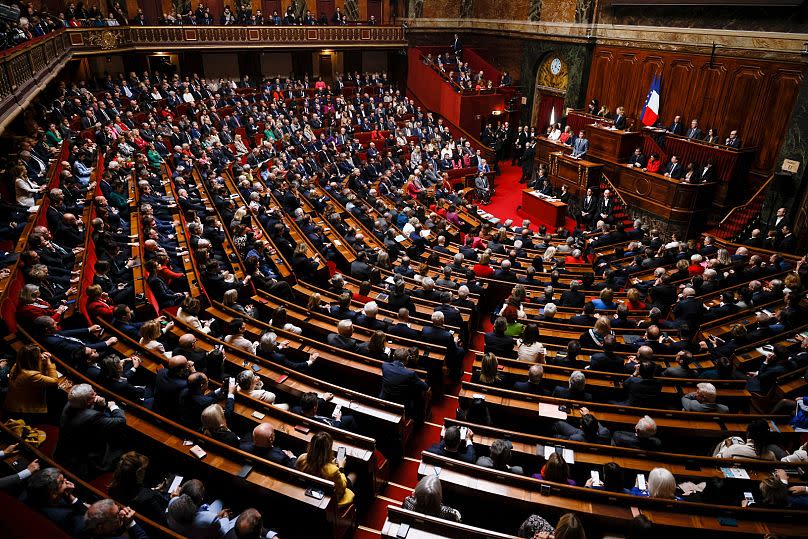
128 38
26 68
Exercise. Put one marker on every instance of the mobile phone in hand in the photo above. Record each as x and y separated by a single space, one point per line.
340 453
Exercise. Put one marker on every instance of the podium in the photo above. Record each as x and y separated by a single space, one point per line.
539 209
612 144
577 174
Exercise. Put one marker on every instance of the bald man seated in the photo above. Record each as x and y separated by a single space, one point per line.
263 445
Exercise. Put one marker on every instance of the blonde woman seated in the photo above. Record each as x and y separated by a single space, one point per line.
214 424
427 498
189 313
150 332
489 372
319 460
241 148
252 385
661 484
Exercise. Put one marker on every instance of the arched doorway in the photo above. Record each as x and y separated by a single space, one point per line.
552 79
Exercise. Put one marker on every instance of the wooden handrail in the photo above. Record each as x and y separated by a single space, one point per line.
748 202
614 189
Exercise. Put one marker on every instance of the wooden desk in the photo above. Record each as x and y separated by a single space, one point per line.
539 209
578 174
612 144
677 203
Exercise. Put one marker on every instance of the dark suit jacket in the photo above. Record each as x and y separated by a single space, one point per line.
465 453
606 362
167 391
400 384
571 298
526 387
276 455
502 346
84 435
644 393
402 330
346 343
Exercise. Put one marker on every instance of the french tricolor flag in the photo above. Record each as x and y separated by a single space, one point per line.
650 113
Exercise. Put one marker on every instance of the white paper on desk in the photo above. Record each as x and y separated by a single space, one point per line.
551 411
390 280
400 238
568 454
381 296
337 243
168 354
762 352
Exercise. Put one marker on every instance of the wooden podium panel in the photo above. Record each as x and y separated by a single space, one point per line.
541 210
612 144
578 174
546 147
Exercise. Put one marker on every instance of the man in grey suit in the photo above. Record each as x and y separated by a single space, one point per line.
581 146
703 400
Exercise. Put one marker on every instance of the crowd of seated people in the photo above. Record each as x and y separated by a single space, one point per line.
456 72
243 15
305 150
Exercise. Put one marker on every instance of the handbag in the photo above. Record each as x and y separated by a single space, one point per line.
28 434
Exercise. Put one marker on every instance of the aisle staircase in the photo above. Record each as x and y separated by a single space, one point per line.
620 212
741 220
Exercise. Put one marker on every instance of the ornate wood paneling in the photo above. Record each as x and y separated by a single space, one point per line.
754 96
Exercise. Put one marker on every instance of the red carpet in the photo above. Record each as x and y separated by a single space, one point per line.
508 197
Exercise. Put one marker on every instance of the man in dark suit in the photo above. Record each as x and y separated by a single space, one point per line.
401 384
620 118
607 361
51 494
694 132
504 273
457 46
310 405
682 368
169 383
342 339
533 384
733 141
586 318
263 445
402 326
637 159
436 334
674 169
497 343
779 220
643 389
590 430
196 397
454 447
676 128
589 205
689 310
706 173
605 207
368 318
573 297
643 437
69 342
786 243
88 431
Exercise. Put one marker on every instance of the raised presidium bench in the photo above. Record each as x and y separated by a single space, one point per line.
543 209
498 500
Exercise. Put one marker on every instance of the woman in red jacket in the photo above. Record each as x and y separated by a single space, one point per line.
31 306
483 268
654 162
99 304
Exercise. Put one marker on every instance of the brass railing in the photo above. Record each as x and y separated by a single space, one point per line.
128 38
